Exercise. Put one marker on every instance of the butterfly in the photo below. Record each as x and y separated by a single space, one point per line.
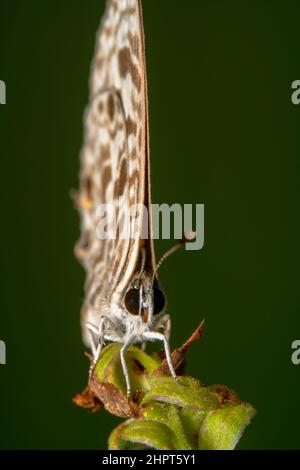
124 301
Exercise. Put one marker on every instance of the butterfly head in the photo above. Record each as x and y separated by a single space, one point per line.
145 298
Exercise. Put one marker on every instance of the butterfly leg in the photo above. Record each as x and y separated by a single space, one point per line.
152 336
99 343
124 365
165 324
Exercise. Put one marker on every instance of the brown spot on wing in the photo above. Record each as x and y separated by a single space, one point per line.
99 63
131 126
110 245
134 43
122 180
106 178
100 107
108 31
105 152
127 66
140 139
123 176
88 186
111 107
137 106
133 178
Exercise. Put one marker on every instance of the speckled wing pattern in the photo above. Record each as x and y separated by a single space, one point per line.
115 153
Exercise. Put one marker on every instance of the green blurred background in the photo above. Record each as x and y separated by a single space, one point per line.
224 133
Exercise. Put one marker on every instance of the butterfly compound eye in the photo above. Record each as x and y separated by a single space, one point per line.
132 301
159 300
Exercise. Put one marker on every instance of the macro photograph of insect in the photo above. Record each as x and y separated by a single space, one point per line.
150 234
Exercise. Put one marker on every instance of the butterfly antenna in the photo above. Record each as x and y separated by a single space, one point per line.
143 261
188 237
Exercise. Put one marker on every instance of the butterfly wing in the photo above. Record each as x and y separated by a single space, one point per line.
115 153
